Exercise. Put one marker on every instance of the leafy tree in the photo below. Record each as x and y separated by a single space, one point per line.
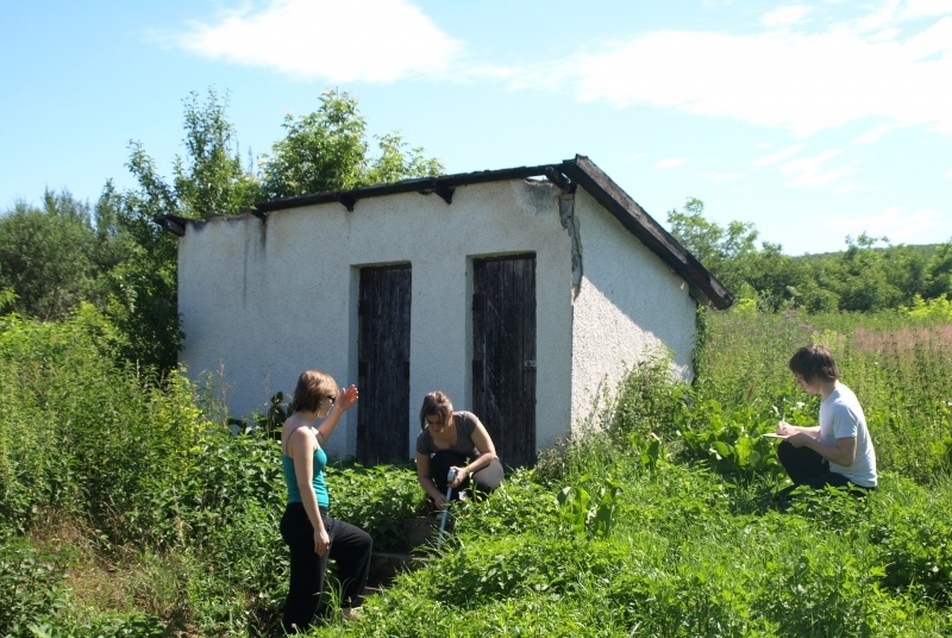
143 300
939 309
207 180
906 270
49 256
7 297
328 150
397 162
113 243
321 151
863 284
726 252
939 270
864 278
778 281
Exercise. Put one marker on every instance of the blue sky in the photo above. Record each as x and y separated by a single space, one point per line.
813 121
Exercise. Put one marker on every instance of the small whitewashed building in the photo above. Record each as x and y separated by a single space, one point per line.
524 294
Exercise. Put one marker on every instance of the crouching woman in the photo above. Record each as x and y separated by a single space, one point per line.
458 441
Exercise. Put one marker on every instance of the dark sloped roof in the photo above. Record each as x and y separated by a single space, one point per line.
633 217
568 174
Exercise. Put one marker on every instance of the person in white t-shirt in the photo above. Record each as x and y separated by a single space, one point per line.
839 451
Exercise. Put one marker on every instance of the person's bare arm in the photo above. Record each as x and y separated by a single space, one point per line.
787 429
423 477
487 452
345 400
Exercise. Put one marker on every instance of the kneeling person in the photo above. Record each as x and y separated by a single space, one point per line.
454 440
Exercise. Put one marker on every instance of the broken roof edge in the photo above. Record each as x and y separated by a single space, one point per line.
580 170
416 185
633 217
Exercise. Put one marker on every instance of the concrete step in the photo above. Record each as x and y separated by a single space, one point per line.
421 533
384 566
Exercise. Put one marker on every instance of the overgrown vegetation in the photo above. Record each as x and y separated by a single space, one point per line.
130 509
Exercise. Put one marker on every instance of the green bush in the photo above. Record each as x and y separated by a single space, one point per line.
84 435
916 544
378 499
650 400
520 505
129 625
730 442
681 561
31 586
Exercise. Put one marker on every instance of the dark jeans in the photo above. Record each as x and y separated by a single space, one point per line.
350 548
806 467
485 480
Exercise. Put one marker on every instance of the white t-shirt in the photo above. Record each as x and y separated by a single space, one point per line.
841 417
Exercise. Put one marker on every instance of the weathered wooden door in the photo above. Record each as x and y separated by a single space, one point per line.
504 351
383 373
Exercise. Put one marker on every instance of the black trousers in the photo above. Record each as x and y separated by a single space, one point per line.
350 548
485 480
806 467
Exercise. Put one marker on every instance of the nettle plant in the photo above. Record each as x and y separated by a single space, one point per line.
589 514
731 442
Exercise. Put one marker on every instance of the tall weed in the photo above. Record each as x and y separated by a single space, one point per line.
900 371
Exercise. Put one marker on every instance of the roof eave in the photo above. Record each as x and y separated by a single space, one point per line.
435 184
633 217
580 170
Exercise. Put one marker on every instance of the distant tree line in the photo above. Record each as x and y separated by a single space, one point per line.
113 256
869 276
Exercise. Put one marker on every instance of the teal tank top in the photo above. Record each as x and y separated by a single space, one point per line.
320 488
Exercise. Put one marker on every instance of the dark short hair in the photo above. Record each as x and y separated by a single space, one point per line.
814 362
312 387
438 404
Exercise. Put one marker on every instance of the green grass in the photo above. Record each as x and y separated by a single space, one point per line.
689 555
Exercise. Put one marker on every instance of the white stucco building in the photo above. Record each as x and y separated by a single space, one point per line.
522 293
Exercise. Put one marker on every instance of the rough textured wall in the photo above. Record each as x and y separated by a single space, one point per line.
629 304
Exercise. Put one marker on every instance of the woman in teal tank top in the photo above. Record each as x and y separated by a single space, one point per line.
311 534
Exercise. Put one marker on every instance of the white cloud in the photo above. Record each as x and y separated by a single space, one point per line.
845 188
875 134
803 81
779 155
356 40
671 162
921 8
815 172
783 16
887 67
892 13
